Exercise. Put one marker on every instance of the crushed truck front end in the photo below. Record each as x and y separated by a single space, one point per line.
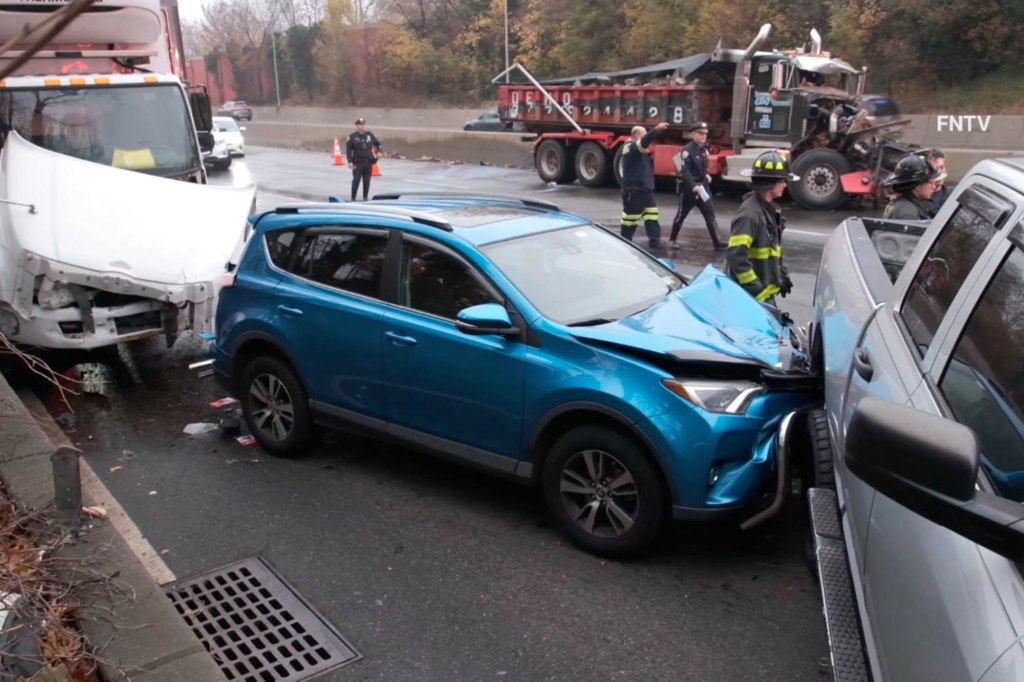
92 254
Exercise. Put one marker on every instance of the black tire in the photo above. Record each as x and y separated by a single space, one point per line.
592 165
627 501
820 186
554 162
820 463
617 164
225 165
284 428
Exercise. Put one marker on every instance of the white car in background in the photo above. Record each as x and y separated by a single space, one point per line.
227 129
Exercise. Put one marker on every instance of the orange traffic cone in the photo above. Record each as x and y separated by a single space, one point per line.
376 170
338 161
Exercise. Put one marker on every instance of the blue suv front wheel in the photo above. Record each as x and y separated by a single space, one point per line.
276 407
603 492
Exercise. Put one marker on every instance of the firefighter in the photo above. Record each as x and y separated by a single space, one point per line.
694 186
754 258
914 181
638 186
362 151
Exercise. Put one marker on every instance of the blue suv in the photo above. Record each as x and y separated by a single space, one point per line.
522 340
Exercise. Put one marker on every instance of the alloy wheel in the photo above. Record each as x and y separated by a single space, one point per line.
599 493
273 410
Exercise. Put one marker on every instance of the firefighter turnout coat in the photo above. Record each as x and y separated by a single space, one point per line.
754 258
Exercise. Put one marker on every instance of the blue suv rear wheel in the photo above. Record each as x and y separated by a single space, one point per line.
276 407
603 492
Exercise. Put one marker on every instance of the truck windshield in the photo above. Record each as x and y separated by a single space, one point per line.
143 127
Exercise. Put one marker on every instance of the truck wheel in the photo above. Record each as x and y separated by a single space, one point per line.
603 492
821 474
820 186
592 165
554 162
617 165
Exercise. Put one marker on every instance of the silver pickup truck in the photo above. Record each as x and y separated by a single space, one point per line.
918 456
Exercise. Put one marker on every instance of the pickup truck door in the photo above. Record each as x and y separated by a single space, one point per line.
935 608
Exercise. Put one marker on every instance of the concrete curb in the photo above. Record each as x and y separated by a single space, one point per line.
144 636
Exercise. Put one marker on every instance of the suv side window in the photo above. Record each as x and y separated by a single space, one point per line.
436 282
350 262
948 263
279 247
984 382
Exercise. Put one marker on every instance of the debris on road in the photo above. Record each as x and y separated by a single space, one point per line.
247 440
223 402
198 428
243 461
95 512
115 469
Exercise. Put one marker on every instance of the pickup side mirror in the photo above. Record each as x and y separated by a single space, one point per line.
486 318
930 465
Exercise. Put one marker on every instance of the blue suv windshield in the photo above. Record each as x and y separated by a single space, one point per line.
582 273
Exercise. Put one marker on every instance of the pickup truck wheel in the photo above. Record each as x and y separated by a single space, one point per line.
603 492
276 408
820 186
822 474
554 162
592 165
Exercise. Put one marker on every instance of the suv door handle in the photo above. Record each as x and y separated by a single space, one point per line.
289 311
862 363
400 339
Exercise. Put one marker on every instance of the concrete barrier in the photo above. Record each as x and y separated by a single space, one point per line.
437 134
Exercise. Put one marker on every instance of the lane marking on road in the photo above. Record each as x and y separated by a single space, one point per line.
96 493
790 230
446 185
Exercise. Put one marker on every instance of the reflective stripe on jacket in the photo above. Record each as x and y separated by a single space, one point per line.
754 258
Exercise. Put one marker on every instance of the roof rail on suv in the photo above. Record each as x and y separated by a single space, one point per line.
367 207
529 203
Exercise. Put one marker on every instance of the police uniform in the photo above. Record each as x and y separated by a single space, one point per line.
754 258
638 204
693 172
362 150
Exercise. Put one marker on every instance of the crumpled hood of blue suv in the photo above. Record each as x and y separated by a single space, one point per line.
710 318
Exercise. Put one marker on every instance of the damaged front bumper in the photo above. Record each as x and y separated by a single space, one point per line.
62 306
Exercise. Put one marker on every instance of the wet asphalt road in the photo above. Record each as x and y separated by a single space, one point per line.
434 572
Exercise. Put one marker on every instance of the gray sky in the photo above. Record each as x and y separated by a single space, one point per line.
191 10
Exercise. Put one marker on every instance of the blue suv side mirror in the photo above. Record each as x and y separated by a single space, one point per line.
486 318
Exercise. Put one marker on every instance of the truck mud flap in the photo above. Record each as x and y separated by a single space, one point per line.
846 643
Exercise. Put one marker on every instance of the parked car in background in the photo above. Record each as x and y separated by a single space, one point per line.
218 158
236 109
489 121
515 338
881 109
228 130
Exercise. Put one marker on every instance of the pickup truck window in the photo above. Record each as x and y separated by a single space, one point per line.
984 382
937 281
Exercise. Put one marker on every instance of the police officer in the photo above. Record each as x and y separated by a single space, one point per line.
362 150
754 258
638 186
914 181
693 178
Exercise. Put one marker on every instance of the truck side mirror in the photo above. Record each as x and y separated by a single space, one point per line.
813 112
205 140
930 466
202 112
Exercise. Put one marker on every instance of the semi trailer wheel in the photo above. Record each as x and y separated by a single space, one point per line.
554 161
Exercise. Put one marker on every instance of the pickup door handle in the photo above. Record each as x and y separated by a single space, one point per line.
862 363
400 339
289 311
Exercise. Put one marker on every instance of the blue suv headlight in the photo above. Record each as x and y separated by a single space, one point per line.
727 397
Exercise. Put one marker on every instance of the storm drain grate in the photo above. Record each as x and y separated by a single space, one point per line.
256 626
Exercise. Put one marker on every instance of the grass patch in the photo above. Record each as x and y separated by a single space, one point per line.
999 93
